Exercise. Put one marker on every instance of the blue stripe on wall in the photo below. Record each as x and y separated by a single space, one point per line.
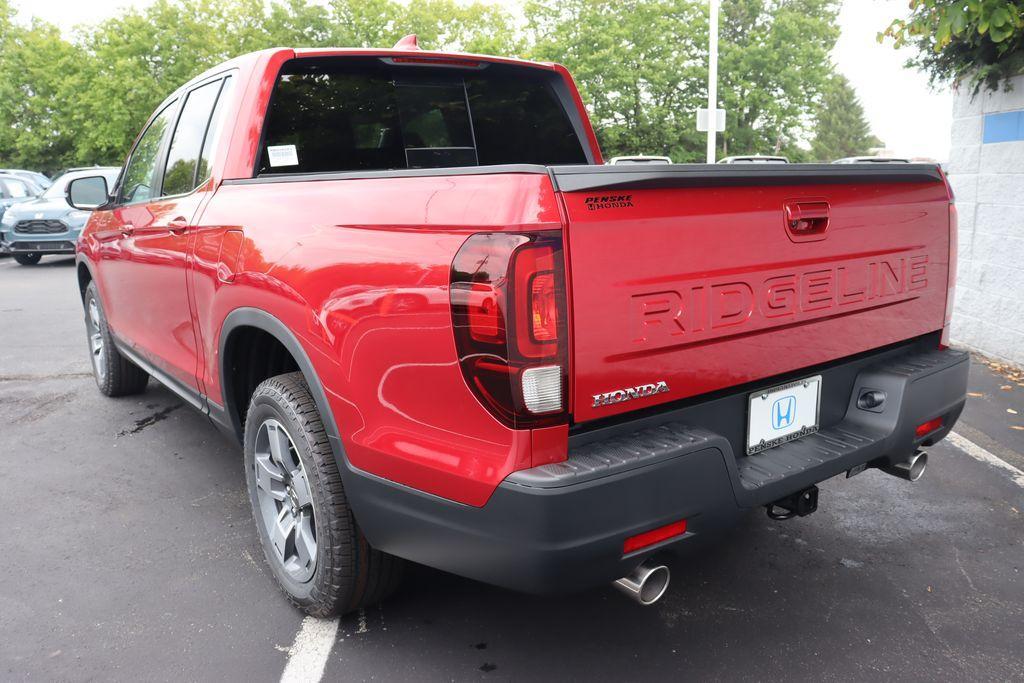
1004 127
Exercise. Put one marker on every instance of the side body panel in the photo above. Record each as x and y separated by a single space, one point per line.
358 270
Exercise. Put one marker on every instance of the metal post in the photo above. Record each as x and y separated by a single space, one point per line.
712 78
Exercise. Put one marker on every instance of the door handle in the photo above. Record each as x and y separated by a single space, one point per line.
807 220
178 225
127 230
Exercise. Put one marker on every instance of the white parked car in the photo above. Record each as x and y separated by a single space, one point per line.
871 160
755 159
639 159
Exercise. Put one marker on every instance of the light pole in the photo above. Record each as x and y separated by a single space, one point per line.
712 78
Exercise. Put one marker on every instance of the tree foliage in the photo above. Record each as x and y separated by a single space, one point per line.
774 67
641 65
642 68
83 100
980 42
842 129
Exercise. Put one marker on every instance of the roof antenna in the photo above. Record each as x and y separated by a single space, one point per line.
409 42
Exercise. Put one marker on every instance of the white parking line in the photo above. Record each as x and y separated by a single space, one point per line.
308 655
978 453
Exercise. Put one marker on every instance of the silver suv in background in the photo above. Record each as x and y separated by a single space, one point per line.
47 224
14 190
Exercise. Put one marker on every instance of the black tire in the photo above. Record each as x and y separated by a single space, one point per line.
30 258
348 572
115 375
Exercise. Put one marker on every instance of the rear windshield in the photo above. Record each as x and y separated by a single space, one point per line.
349 114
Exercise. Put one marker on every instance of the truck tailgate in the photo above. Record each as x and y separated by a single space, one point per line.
689 279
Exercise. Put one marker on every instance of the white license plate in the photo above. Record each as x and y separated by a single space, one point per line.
782 414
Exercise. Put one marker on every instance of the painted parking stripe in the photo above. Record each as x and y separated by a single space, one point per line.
308 655
978 453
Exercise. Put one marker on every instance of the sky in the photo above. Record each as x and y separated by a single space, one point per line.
912 120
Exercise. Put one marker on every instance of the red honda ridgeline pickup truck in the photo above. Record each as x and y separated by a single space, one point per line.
444 331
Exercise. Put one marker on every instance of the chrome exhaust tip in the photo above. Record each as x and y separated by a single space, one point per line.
910 469
645 584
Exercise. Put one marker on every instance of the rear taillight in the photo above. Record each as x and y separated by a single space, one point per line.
951 277
508 310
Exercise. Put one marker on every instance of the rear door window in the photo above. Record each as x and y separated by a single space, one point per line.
351 114
140 172
187 143
213 132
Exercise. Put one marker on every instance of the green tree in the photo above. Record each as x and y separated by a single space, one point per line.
640 65
83 101
774 66
439 24
841 130
977 41
642 68
35 125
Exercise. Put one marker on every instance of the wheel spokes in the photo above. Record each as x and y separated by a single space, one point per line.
280 446
269 478
282 528
305 543
300 488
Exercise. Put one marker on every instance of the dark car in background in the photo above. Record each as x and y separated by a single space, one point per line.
46 224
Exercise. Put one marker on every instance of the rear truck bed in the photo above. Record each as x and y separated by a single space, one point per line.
694 292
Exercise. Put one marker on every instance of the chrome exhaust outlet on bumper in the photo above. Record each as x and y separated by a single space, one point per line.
645 584
910 469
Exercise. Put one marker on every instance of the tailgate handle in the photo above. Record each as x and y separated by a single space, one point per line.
807 217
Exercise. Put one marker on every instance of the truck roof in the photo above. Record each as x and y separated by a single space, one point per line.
281 54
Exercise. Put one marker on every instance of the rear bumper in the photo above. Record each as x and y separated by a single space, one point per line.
561 527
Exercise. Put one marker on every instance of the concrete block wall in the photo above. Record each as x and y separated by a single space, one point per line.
986 168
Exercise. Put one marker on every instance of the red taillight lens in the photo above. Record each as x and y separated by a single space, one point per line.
649 538
543 308
926 428
538 296
508 312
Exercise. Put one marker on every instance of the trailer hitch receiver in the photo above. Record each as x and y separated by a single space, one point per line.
800 504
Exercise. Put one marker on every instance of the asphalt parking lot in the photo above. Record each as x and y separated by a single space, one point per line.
127 552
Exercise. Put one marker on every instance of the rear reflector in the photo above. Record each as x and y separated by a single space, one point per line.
649 538
928 427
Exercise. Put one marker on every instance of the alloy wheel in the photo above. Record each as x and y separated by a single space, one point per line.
285 501
96 344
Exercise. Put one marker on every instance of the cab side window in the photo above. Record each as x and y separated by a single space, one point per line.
140 173
182 172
